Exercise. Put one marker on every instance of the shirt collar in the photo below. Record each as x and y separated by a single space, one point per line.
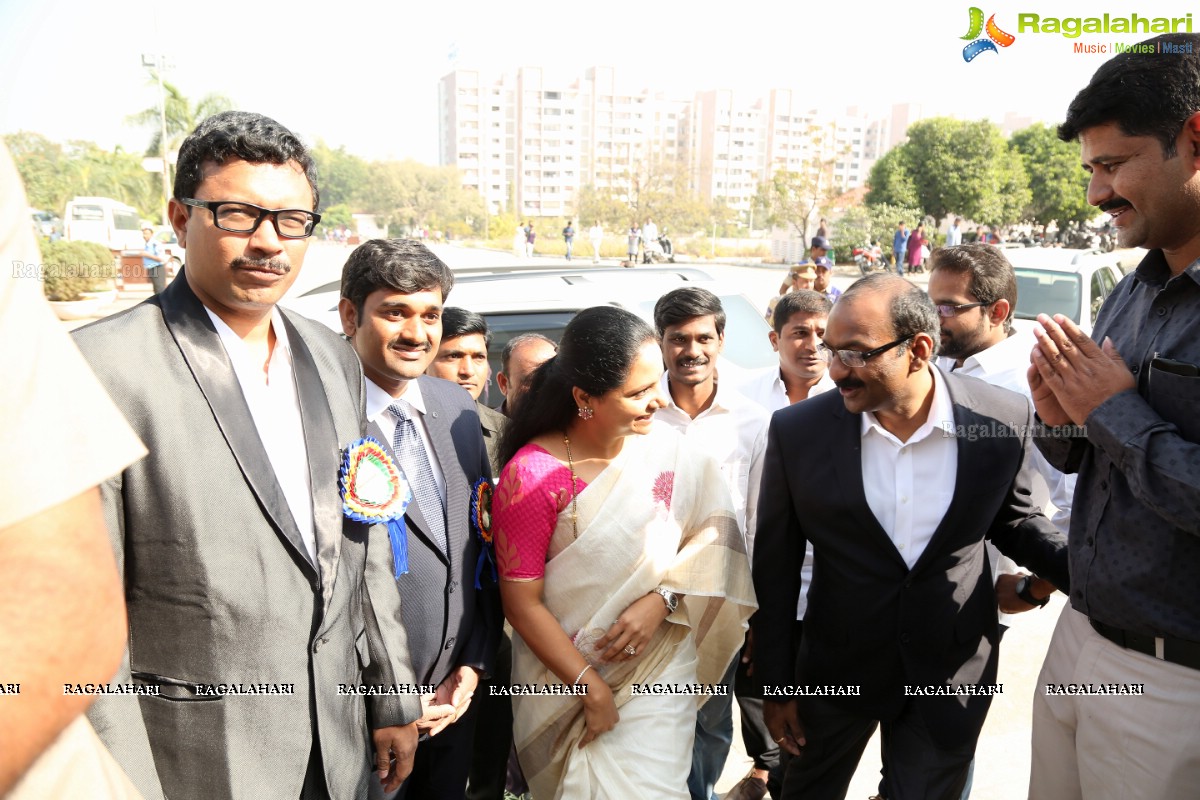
1153 269
234 343
723 401
378 400
999 356
941 415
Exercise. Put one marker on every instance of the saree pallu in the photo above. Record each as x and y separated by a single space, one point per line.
658 515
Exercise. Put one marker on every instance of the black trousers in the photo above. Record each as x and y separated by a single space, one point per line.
917 767
493 730
442 763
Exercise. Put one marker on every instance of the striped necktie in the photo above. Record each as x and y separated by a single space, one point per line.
410 452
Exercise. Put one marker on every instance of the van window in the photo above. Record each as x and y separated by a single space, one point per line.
125 220
90 213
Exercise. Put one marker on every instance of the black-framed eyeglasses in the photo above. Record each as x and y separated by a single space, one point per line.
947 310
238 217
857 358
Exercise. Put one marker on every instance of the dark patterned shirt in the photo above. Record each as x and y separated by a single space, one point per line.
1135 533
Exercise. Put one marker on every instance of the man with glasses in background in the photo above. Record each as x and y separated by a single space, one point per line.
916 469
251 598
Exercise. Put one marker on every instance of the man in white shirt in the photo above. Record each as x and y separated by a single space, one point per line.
954 233
975 291
690 323
393 291
798 326
901 607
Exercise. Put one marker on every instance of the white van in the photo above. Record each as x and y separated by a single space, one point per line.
104 220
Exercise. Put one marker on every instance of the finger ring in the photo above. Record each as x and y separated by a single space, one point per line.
631 650
779 740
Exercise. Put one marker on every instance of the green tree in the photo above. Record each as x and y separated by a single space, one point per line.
956 167
43 168
181 115
890 181
1057 185
796 199
333 216
875 222
54 173
592 205
343 176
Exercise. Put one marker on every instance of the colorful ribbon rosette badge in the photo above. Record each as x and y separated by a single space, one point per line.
481 525
373 492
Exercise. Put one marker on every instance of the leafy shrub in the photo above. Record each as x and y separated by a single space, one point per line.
69 269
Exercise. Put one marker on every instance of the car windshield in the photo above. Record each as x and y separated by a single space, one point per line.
1044 291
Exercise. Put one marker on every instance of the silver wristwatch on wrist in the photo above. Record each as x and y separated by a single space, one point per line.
669 597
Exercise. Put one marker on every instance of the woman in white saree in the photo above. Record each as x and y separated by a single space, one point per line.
622 569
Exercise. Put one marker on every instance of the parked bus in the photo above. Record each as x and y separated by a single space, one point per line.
104 220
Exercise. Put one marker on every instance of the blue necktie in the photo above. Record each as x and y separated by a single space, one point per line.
410 452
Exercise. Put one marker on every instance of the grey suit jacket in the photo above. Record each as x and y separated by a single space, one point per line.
449 623
219 586
871 621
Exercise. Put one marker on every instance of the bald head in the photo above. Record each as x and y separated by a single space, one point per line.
903 304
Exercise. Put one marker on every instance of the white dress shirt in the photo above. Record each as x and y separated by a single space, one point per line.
377 411
733 430
766 387
275 408
895 472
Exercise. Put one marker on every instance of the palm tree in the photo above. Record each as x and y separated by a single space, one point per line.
181 116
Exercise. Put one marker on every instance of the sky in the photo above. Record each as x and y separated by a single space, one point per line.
365 75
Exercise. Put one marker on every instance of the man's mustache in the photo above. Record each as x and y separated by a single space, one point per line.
279 265
1116 202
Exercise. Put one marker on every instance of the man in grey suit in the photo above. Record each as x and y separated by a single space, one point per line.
393 291
251 598
901 628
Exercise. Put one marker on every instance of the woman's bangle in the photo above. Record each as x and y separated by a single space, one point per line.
580 675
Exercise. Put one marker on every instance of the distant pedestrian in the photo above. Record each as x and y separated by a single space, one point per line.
568 234
823 229
518 242
900 247
649 239
153 260
596 234
915 242
954 233
634 236
530 238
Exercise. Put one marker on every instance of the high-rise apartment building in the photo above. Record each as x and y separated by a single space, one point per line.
529 141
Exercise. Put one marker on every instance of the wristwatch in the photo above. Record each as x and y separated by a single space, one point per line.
669 597
1024 587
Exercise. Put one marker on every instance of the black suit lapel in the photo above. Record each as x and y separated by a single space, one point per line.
416 522
201 347
320 440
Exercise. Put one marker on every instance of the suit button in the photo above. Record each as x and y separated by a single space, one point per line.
449 643
905 638
452 587
317 644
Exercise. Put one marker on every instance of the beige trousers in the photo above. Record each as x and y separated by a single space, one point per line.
1112 746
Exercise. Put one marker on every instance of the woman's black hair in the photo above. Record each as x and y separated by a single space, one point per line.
596 353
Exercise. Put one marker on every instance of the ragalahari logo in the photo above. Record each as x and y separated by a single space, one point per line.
995 36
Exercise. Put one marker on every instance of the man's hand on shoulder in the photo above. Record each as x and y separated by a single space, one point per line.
395 748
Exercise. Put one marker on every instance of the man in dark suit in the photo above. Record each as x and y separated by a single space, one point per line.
239 567
393 291
901 623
